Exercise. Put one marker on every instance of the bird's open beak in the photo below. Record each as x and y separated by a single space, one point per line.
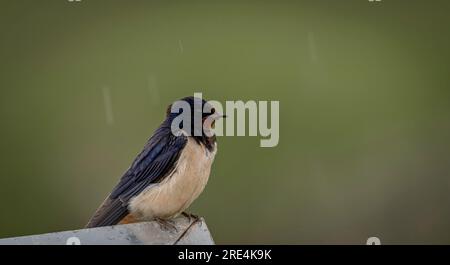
216 117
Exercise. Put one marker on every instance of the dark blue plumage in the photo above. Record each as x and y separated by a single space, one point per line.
156 161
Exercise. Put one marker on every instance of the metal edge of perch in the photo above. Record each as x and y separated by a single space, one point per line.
186 231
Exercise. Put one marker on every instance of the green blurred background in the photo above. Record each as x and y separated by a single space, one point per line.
364 112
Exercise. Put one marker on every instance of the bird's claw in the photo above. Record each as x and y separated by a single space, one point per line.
166 225
191 216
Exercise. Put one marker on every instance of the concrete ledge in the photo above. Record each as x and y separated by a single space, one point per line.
185 232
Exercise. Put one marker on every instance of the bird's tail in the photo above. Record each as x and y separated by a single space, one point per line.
110 212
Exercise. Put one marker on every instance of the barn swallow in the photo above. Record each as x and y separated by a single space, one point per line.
166 177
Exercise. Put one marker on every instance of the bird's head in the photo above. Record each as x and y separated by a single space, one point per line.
197 112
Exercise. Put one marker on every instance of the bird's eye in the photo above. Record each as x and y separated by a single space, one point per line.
213 110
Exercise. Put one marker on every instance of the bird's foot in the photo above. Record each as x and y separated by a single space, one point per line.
166 225
191 216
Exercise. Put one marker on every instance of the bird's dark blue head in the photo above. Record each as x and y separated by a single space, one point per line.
198 113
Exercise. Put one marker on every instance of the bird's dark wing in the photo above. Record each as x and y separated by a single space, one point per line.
153 164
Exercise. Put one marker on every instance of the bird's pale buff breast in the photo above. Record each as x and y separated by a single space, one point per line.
176 192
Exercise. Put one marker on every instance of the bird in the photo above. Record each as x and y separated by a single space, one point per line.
167 175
